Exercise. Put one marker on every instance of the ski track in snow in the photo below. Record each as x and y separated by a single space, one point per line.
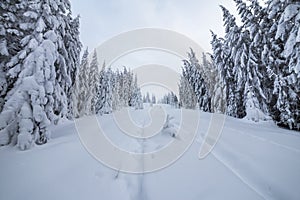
238 169
237 174
142 193
242 167
264 140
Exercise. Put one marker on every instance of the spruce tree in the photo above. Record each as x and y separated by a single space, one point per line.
93 83
11 34
39 73
287 75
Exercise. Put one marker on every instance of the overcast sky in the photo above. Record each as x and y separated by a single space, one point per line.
104 19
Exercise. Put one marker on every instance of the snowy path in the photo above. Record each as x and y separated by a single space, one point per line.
250 161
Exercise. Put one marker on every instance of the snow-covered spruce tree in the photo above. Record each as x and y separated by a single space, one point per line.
107 107
165 99
130 87
147 98
197 80
238 63
201 89
116 101
187 97
230 74
153 99
210 76
39 94
81 92
136 97
104 105
139 99
191 76
69 48
253 42
280 25
287 81
100 91
254 98
271 54
93 84
10 36
126 86
73 47
225 90
170 99
267 27
118 87
235 103
218 101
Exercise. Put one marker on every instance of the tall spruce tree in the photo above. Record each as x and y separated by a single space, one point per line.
40 70
287 75
12 12
93 83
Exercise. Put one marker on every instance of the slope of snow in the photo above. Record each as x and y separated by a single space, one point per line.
250 161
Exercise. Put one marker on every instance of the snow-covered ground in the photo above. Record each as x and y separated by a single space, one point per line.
250 161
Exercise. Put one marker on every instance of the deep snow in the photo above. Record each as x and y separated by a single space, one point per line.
250 161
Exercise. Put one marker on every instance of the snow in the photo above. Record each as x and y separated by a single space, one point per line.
32 44
252 111
40 26
4 137
289 46
3 48
290 11
31 14
22 54
51 36
250 161
25 40
25 140
25 26
298 34
25 127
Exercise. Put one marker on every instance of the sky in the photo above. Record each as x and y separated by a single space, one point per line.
104 19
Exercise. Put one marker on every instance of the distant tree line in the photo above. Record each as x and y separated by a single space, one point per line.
171 99
101 92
